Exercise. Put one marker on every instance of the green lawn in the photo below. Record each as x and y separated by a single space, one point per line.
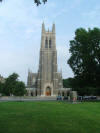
49 117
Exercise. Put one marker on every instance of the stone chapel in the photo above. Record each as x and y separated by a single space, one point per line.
47 81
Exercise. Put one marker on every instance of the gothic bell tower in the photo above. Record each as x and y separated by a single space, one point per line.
48 77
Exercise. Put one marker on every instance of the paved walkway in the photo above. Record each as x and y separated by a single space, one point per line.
4 99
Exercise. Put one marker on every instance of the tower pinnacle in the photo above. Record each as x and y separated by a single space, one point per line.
53 28
43 27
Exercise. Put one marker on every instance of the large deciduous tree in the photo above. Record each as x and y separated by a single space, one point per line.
19 89
10 84
85 57
13 86
67 83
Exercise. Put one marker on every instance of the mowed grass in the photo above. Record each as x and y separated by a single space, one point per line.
49 117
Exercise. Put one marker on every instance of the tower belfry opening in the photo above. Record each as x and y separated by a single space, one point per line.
50 43
46 42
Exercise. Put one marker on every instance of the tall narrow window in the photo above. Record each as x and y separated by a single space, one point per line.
50 43
46 43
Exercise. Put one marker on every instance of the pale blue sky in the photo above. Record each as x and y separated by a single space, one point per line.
20 31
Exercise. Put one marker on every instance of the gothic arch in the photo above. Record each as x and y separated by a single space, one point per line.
48 91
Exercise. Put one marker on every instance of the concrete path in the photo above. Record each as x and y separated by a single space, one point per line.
5 99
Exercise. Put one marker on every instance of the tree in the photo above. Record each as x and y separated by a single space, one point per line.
1 87
10 84
37 2
85 57
67 83
13 86
19 89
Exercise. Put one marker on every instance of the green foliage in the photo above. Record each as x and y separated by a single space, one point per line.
13 87
19 89
37 2
85 58
0 87
10 84
67 83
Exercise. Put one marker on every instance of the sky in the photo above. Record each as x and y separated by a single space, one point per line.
20 31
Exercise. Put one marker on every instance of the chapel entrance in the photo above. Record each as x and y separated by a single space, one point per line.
48 91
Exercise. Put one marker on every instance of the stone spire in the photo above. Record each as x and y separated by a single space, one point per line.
53 28
28 71
43 27
61 72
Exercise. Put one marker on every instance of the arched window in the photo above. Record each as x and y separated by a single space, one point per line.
46 43
50 43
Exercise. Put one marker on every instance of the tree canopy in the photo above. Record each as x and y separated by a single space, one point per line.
85 57
67 83
37 2
1 87
13 86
